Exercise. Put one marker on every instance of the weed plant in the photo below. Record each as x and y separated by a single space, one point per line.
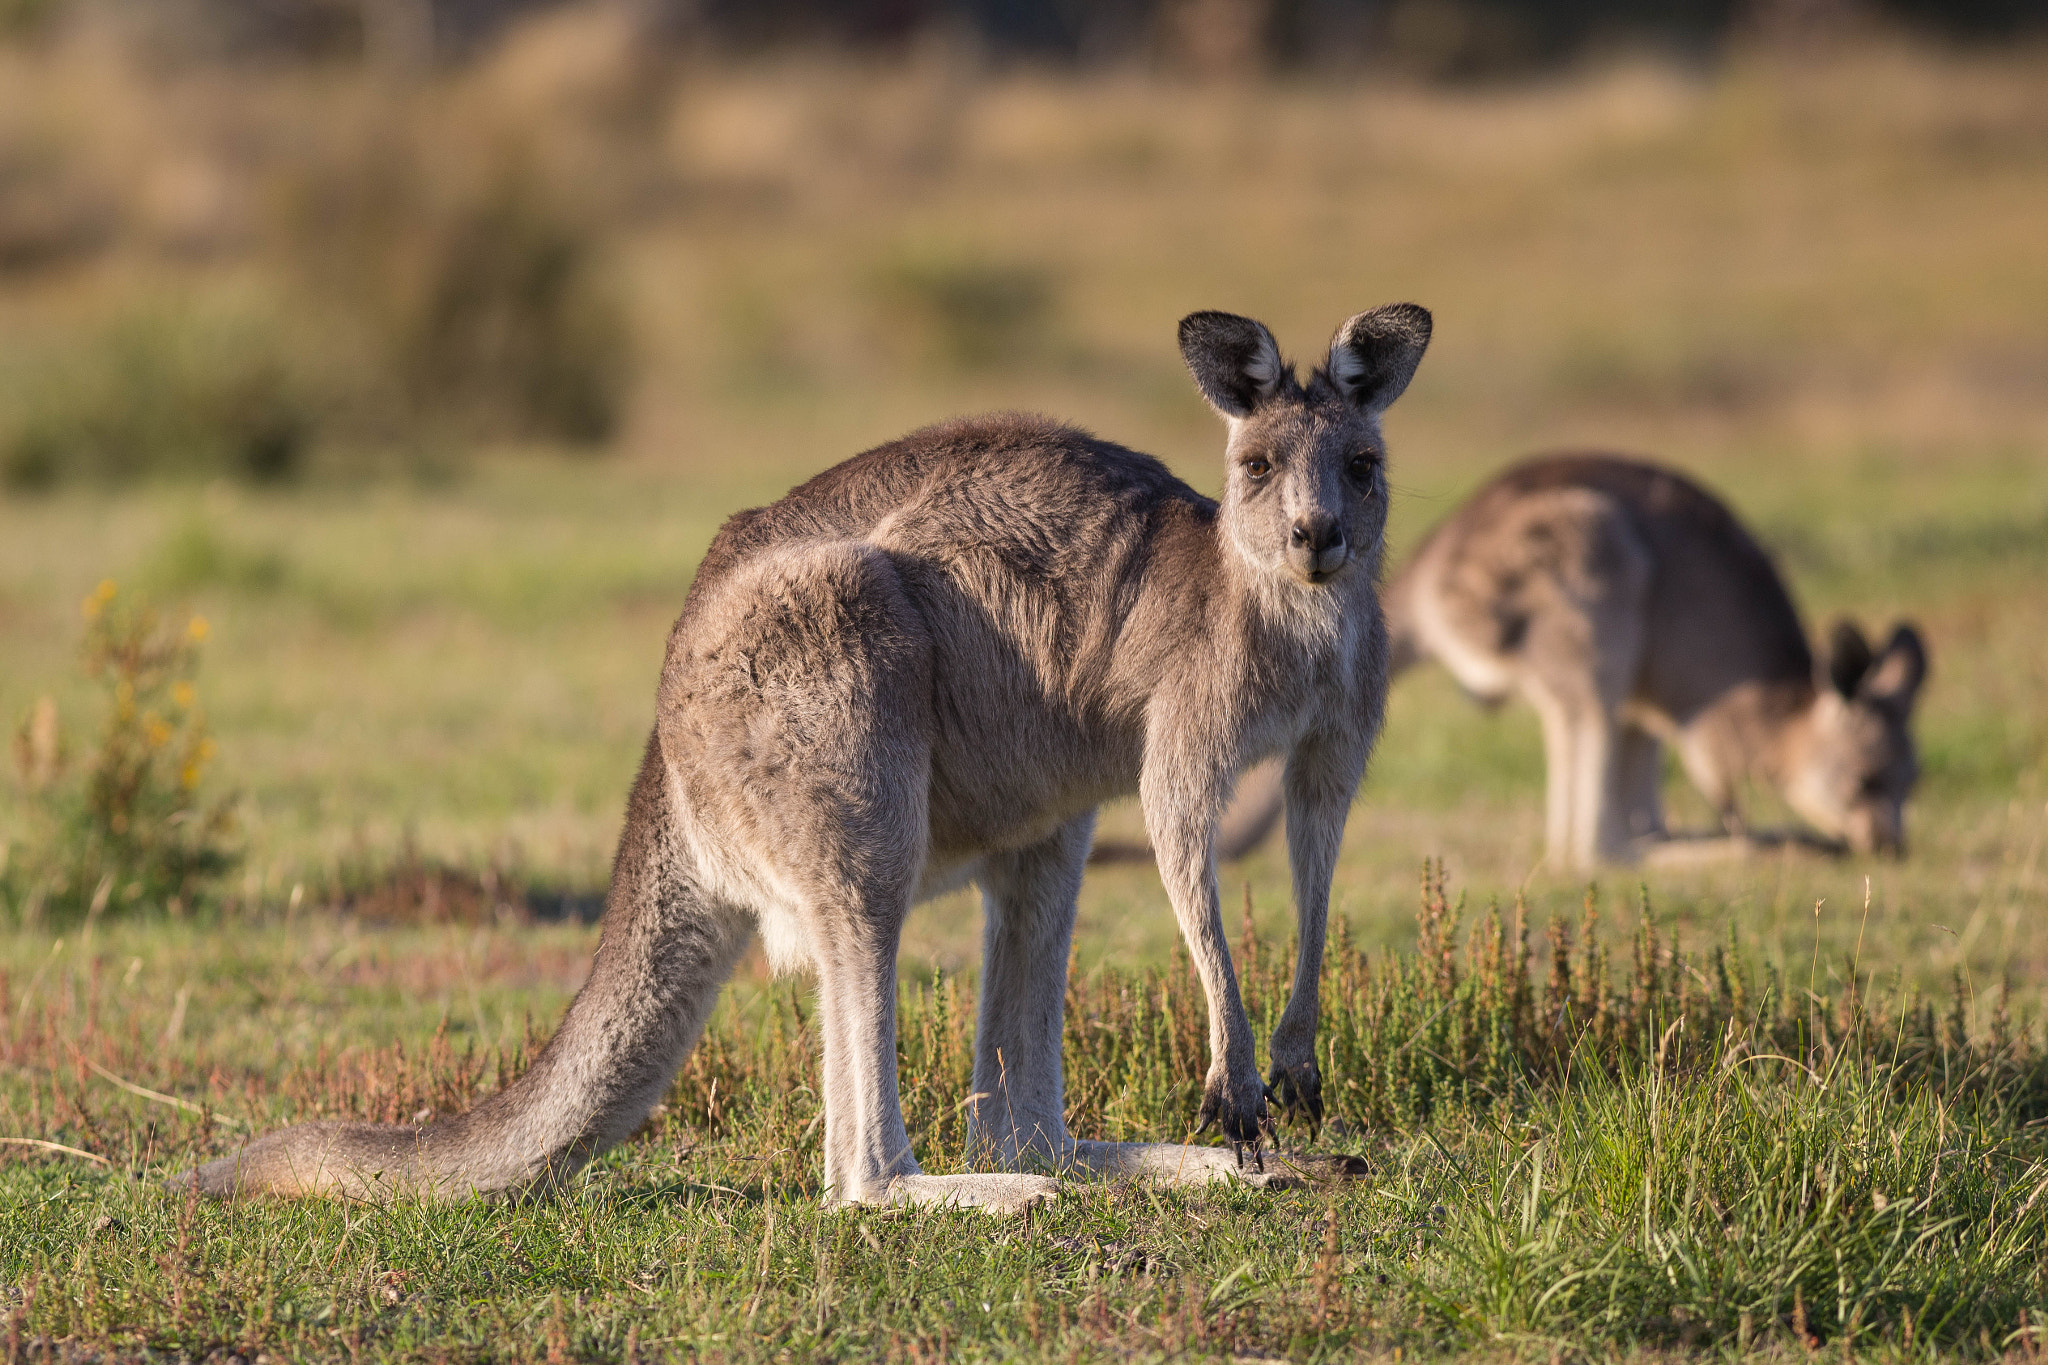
133 827
1719 1164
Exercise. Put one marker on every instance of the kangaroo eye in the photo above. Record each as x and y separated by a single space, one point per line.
1361 467
1257 468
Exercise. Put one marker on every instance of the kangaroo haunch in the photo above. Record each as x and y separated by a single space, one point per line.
928 666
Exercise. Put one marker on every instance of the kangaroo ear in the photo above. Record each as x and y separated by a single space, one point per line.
1374 355
1235 361
1848 658
1894 678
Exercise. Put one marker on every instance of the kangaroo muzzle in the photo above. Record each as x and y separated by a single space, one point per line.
1316 549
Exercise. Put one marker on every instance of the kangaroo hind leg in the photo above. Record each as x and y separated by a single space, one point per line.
810 710
1016 1115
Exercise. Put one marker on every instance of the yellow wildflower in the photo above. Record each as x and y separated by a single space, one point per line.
197 628
97 602
156 731
184 694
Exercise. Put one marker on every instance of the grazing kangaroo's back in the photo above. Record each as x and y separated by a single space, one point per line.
927 666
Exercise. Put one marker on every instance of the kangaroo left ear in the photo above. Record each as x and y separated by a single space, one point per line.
1848 658
1895 676
1235 361
1374 355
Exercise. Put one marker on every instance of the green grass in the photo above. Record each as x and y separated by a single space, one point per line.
1670 1152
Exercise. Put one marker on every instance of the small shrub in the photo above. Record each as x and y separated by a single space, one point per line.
133 829
475 298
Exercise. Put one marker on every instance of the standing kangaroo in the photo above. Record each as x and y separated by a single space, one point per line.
1632 609
928 666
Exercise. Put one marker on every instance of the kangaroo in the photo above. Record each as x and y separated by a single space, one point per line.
927 666
1632 609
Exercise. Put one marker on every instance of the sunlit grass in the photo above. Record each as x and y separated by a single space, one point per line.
1661 1150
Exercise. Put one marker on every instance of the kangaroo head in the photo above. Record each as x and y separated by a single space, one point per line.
1856 765
1305 496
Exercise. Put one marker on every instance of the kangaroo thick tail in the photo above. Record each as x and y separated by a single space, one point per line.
1397 605
1254 810
664 953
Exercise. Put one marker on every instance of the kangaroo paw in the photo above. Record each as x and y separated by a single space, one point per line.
1297 1092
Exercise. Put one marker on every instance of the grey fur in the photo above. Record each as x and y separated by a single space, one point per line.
927 666
1632 609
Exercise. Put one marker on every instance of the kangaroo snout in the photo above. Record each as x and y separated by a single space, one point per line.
1317 548
1878 829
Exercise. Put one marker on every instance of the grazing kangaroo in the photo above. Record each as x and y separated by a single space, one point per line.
1632 609
928 666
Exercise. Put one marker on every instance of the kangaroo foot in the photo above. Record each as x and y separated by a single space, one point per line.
1238 1108
1297 1092
997 1193
1173 1163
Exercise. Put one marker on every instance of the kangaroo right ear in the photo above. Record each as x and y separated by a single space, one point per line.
1374 355
1896 674
1235 361
1849 658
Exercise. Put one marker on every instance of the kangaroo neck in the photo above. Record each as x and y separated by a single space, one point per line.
1766 723
1270 609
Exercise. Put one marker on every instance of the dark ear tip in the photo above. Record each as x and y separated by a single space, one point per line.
1415 315
1406 324
1209 320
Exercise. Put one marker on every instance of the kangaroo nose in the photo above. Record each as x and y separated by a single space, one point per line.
1318 533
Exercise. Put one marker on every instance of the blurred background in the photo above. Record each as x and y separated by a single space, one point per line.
405 354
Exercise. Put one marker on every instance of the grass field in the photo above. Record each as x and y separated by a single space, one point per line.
1819 288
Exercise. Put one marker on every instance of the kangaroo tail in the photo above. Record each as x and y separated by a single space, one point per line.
664 953
1397 603
1254 809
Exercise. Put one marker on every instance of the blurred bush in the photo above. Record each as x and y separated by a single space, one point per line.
132 829
504 325
336 267
162 391
966 313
